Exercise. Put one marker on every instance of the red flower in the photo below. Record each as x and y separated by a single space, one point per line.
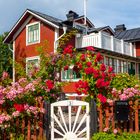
110 69
102 67
79 65
90 48
49 84
19 107
68 50
83 57
88 64
89 70
82 87
102 98
99 57
100 83
95 73
66 68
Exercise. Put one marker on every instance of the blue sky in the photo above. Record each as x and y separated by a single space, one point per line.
100 12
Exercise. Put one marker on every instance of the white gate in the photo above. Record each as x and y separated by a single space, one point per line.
70 120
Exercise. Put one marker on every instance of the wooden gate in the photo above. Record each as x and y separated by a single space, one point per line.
70 120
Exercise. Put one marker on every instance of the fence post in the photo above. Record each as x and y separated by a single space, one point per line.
136 117
131 117
93 117
100 119
47 119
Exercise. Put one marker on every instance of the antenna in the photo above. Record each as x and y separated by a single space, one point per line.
85 11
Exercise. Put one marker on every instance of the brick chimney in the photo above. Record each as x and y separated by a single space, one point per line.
71 15
120 28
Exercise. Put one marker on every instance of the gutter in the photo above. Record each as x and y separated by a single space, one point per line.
55 42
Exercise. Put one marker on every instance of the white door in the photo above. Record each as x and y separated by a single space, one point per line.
70 120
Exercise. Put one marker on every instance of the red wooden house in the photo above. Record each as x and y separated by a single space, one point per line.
121 49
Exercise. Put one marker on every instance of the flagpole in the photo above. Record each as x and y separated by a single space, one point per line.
85 11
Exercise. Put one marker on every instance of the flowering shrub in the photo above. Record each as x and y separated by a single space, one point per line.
125 87
96 77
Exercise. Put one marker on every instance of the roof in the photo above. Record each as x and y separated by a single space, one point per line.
100 29
130 35
47 17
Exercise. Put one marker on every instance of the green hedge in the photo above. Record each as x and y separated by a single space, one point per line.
111 136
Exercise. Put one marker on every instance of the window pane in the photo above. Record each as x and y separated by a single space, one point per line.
33 33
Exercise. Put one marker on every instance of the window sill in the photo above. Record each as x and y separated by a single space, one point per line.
28 44
70 80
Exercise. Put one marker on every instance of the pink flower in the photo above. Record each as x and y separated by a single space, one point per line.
4 75
106 129
16 114
115 131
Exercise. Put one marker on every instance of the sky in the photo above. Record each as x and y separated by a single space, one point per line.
100 12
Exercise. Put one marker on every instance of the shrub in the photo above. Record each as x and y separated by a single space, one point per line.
111 136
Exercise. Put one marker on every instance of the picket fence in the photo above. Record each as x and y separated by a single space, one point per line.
106 118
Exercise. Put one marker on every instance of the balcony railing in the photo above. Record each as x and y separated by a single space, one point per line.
105 41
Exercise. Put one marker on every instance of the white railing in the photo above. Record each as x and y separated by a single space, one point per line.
105 41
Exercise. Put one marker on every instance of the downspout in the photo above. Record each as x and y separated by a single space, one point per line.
55 42
13 52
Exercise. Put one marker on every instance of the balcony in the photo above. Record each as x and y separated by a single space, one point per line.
105 41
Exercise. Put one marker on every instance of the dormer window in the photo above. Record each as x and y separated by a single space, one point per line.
81 27
33 33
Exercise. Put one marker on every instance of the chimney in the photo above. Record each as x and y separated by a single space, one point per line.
120 28
72 15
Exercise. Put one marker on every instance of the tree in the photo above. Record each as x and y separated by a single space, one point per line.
5 57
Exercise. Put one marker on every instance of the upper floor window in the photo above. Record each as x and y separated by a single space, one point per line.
32 64
33 33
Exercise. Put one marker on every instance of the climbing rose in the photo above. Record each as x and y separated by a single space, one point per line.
68 50
66 68
102 83
90 48
99 57
49 84
110 69
89 70
102 67
83 57
88 64
101 98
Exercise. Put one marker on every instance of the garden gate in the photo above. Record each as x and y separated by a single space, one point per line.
70 120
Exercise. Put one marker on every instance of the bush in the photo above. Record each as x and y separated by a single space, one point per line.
111 136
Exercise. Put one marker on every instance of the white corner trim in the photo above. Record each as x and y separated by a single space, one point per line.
27 26
50 23
31 58
22 27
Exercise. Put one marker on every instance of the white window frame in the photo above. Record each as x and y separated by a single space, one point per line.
31 58
27 27
71 80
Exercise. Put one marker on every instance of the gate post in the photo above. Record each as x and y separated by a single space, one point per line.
47 119
93 117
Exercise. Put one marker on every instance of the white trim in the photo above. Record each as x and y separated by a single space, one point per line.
75 95
27 11
56 35
14 62
27 26
86 19
31 58
22 27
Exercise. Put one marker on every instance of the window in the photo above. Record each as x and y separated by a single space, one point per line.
33 33
32 63
81 27
70 74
